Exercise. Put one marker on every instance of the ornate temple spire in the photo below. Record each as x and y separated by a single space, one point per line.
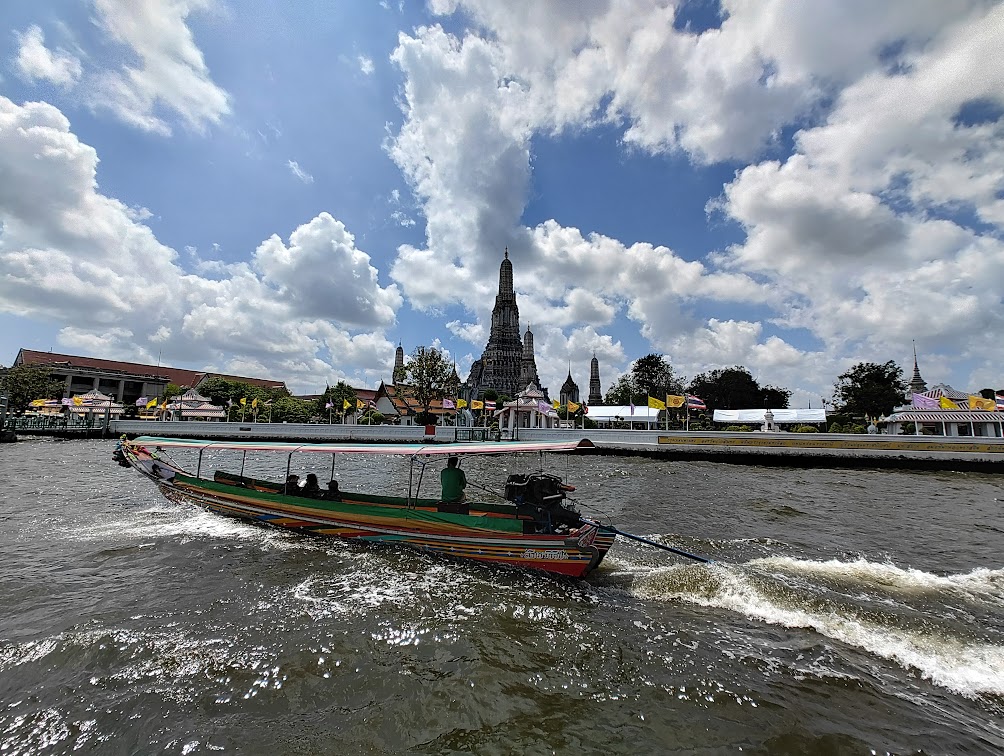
917 384
595 393
505 276
398 364
501 362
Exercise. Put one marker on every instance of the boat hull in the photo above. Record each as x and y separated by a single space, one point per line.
480 538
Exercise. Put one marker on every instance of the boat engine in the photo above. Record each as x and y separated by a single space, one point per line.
542 496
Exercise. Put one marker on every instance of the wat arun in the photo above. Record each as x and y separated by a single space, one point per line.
507 365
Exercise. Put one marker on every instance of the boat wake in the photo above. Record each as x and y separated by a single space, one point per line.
945 628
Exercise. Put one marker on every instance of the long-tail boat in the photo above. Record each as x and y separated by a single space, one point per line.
533 527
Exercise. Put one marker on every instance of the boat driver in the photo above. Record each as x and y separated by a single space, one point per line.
454 481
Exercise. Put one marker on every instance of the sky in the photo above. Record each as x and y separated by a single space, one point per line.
291 190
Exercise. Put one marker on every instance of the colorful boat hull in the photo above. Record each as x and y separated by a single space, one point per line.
481 536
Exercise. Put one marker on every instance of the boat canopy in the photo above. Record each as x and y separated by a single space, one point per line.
410 450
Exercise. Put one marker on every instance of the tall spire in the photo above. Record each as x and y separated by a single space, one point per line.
917 384
595 397
505 276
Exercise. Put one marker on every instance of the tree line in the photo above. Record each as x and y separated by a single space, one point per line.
865 390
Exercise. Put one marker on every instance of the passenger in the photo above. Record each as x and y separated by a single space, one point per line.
454 482
333 493
292 485
311 487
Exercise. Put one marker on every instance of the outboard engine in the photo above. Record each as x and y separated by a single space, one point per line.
542 496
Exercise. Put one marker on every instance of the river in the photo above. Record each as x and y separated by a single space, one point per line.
854 612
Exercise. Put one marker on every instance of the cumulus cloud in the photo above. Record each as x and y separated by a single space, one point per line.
308 311
852 241
36 62
171 75
864 228
365 64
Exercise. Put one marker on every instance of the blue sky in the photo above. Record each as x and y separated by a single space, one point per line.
290 190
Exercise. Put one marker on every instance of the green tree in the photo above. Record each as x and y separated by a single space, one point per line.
338 394
869 389
289 409
428 376
172 390
621 392
652 375
24 383
735 388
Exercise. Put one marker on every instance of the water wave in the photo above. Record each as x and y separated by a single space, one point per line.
966 665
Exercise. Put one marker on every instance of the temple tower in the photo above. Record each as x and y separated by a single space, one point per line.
528 366
595 393
917 384
398 374
501 363
569 390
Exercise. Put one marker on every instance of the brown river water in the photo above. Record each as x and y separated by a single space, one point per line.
852 612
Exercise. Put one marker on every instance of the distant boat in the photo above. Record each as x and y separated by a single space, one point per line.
535 527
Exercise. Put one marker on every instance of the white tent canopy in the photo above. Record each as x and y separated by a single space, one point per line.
780 416
623 413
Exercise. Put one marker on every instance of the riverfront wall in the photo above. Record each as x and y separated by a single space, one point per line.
784 449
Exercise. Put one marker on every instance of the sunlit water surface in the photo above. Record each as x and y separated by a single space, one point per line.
854 612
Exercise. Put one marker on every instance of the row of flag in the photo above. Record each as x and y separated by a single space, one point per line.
921 401
673 401
346 404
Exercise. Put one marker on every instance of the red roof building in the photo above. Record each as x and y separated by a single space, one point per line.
124 381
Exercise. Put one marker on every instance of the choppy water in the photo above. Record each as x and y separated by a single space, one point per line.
857 613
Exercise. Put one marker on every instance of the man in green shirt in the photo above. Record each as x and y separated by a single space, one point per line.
454 481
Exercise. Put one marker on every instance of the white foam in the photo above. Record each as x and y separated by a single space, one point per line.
183 521
981 583
965 667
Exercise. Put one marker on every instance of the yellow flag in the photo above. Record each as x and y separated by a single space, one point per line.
78 400
152 403
674 401
477 404
461 403
360 404
345 404
244 401
947 403
573 407
979 403
656 404
254 403
38 402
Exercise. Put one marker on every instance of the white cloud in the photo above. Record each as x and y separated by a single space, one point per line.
853 241
36 62
171 77
848 228
73 255
365 64
297 171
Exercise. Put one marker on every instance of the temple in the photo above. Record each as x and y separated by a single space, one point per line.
917 384
595 394
569 390
507 365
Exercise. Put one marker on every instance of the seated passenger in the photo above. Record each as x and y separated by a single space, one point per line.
292 486
454 482
333 493
311 488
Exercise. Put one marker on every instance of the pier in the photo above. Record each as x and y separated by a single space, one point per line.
958 453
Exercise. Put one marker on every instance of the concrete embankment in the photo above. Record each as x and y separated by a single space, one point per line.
964 454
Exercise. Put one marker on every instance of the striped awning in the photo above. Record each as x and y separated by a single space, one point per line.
945 416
